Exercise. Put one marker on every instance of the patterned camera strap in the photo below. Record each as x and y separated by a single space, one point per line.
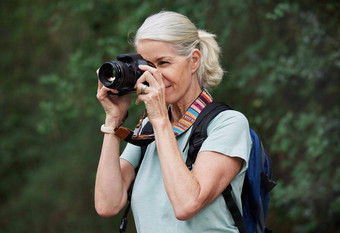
180 127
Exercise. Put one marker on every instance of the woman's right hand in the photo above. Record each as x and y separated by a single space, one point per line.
115 106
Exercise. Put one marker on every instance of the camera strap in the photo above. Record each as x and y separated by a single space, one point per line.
135 138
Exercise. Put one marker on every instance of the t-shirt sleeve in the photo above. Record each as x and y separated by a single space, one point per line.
131 154
228 133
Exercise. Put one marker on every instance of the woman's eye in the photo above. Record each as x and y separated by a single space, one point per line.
151 64
163 62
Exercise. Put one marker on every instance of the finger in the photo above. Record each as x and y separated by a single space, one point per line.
151 76
103 92
153 71
141 89
148 68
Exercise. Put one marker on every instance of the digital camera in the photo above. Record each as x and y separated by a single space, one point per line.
122 75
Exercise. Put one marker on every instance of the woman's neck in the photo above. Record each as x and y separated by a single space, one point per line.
179 108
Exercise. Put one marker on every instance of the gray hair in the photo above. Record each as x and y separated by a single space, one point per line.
178 30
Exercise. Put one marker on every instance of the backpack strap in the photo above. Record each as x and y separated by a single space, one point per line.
234 210
199 130
196 138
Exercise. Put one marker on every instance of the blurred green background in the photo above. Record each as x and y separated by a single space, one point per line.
282 63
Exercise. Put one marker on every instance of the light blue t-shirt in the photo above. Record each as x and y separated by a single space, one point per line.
228 133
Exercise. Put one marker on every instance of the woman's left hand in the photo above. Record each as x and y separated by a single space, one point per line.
152 95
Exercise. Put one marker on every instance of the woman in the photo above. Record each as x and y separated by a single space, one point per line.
167 197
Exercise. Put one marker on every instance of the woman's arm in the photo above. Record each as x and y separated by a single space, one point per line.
189 192
114 176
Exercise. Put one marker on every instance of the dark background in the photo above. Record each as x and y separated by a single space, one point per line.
282 63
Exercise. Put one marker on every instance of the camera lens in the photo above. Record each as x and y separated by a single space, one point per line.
109 74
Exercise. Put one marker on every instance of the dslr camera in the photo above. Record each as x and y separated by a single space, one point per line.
122 75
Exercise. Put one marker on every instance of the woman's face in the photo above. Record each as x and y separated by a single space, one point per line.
179 73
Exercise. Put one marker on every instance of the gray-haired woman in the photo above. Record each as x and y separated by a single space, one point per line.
167 196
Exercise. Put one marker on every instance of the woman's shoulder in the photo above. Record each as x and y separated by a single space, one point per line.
230 117
228 121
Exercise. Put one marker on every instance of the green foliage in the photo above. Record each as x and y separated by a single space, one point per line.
293 62
282 60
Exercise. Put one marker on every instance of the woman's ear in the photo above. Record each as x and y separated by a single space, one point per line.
195 60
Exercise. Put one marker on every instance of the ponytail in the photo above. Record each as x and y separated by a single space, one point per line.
210 72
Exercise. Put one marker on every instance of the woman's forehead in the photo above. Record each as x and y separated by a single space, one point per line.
152 49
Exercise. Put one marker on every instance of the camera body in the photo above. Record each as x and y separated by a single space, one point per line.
122 75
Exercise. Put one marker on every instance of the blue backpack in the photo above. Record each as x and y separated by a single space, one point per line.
258 180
